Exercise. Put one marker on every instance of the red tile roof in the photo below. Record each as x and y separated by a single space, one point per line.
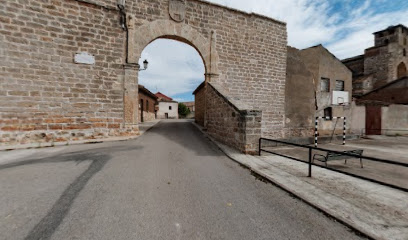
162 96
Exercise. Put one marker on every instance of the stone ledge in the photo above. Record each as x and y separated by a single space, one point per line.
236 103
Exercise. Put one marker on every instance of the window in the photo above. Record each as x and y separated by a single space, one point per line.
328 113
339 85
147 105
404 52
325 85
169 107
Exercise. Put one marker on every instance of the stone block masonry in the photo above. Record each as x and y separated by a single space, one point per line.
44 95
230 125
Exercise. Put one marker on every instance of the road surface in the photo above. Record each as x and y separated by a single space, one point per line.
170 183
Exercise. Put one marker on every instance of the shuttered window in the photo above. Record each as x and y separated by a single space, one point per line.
325 85
339 85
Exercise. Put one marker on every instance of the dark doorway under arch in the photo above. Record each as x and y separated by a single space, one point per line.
401 70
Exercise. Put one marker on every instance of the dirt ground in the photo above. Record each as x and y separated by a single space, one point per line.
389 148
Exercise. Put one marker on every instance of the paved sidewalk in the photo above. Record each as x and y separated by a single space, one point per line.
375 210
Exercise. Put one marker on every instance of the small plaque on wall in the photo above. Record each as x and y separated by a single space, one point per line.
84 58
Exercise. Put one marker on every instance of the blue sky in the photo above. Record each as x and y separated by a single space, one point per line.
345 27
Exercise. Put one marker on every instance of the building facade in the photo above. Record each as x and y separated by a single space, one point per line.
148 105
383 63
70 67
384 111
190 106
168 108
317 85
199 102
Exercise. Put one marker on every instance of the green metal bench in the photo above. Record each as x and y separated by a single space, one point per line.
337 156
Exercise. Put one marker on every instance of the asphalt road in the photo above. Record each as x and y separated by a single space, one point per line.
171 183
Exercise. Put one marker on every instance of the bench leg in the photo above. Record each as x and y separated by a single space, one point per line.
361 162
326 163
345 161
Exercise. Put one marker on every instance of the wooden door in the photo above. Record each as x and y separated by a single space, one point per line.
373 120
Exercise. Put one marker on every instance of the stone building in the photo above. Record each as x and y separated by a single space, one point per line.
190 106
199 102
384 111
387 61
148 105
69 68
168 108
317 85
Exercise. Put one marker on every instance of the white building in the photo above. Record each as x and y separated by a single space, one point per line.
168 109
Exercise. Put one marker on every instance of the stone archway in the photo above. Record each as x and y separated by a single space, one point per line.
143 35
401 70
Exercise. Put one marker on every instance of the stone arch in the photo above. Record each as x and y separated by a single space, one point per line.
143 35
401 70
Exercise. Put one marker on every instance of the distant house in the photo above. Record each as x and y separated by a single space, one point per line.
168 108
148 105
190 105
317 85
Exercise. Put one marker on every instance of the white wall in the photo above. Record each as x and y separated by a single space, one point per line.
395 117
164 107
358 119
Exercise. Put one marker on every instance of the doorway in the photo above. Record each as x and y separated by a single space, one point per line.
373 120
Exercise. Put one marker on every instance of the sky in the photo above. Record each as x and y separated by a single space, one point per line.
344 27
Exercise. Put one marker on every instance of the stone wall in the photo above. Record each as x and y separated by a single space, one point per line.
230 125
44 95
247 57
300 104
149 106
148 116
376 62
395 119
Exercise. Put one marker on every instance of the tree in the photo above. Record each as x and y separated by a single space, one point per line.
183 110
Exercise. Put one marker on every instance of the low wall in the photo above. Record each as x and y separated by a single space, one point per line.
148 116
395 120
358 120
229 124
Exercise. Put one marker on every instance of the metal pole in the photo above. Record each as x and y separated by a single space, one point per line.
316 123
344 131
310 162
259 147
